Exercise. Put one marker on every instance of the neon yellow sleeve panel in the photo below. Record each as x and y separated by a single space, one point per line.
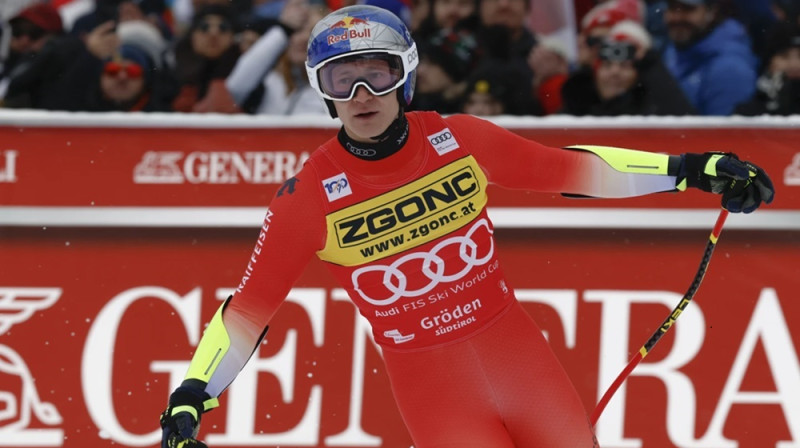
212 348
629 160
711 165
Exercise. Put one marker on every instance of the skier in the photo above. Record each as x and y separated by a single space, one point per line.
395 206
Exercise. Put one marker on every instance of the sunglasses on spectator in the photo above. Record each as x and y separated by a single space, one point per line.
22 28
115 68
223 27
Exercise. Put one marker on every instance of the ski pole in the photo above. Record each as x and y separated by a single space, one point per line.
670 320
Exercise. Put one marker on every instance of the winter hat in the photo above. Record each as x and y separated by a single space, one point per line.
139 56
144 36
633 32
554 44
150 6
213 10
635 10
43 15
602 15
456 52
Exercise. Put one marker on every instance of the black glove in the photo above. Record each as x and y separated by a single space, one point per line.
180 422
743 185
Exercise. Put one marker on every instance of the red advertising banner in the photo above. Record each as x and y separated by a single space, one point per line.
98 321
106 165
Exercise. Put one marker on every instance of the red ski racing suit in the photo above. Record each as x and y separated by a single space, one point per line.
409 238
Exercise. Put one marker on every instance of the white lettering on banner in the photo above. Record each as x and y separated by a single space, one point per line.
768 325
791 174
614 338
217 167
240 426
96 367
767 322
354 435
8 166
19 408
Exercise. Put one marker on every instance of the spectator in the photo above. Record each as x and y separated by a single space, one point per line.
629 79
184 11
152 11
271 77
497 89
129 82
548 60
121 70
709 55
778 87
503 32
31 29
204 57
38 85
446 60
444 16
595 26
420 11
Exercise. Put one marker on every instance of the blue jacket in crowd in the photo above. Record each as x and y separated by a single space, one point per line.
718 72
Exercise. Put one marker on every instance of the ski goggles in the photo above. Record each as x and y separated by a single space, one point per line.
132 70
379 72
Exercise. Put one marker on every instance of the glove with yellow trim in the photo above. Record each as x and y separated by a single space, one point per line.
180 422
743 185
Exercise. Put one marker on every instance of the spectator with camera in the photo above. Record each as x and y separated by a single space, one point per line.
628 79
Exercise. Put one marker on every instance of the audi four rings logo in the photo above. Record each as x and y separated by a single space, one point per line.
441 138
433 267
443 141
363 152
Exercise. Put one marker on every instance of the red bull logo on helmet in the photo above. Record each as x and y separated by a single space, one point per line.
351 28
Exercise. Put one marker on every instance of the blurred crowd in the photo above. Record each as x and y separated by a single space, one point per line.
484 57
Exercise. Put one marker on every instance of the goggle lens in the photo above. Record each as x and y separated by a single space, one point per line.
380 73
130 69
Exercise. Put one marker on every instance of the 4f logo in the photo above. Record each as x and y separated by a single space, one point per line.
20 404
8 166
337 187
